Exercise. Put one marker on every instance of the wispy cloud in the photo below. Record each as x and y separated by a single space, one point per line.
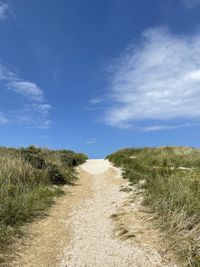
45 124
31 118
191 3
91 141
168 127
156 80
40 108
36 109
21 86
27 89
4 7
96 100
3 119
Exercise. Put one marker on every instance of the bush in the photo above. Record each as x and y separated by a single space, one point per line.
60 175
34 156
57 165
72 159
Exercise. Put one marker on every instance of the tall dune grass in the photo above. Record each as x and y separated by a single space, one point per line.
29 180
172 189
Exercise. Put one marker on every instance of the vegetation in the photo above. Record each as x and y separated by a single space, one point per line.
29 179
172 189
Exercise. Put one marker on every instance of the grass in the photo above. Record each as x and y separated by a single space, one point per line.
30 178
172 189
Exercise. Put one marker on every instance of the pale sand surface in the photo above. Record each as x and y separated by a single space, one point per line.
94 242
79 231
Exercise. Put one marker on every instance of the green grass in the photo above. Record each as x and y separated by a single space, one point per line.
172 191
30 178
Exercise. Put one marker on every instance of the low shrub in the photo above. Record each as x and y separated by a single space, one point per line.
34 156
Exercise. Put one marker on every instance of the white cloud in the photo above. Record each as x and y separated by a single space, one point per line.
23 87
96 100
34 116
40 108
31 120
3 119
40 124
157 80
35 112
44 125
4 7
91 141
26 88
168 127
191 3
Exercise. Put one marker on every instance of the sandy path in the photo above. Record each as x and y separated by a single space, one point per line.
94 242
79 231
45 238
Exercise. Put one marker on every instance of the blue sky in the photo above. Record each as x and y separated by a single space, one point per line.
96 76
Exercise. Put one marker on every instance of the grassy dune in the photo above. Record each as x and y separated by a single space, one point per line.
172 189
29 179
